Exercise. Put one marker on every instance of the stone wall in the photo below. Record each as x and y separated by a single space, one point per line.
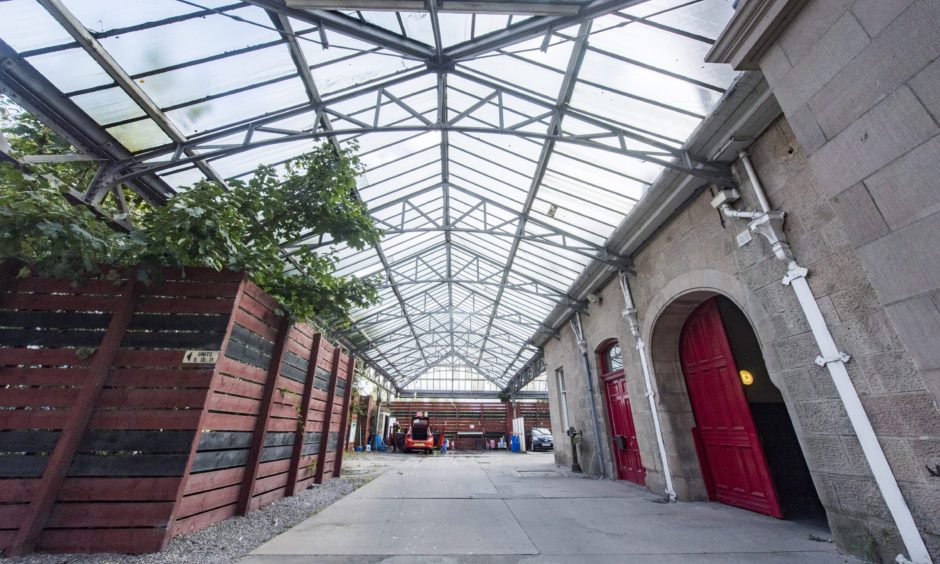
860 82
694 256
602 322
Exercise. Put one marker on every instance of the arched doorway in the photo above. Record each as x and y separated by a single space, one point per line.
748 450
625 449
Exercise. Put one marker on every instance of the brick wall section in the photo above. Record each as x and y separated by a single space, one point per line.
693 257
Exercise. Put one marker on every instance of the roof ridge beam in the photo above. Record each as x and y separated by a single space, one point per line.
351 27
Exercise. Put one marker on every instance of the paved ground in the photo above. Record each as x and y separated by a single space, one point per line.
512 508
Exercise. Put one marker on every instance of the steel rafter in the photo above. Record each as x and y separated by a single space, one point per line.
456 273
103 182
718 173
534 27
561 102
352 27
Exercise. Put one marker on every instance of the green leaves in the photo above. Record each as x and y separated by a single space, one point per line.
207 225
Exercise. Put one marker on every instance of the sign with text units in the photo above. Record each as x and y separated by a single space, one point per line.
200 357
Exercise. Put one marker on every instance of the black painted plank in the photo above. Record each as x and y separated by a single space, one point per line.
173 340
143 441
294 367
27 441
212 323
312 437
278 439
321 379
25 466
243 353
252 339
219 459
54 319
224 440
276 453
87 465
50 338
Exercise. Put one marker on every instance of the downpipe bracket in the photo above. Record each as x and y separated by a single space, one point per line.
842 357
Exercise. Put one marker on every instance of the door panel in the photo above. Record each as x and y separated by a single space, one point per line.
737 467
626 452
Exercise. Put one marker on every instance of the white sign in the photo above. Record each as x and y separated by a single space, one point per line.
200 357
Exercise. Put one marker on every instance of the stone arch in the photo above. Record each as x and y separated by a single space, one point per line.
661 326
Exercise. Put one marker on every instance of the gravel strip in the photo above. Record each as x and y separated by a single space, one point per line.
232 539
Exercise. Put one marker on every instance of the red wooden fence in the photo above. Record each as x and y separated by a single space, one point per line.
111 441
493 419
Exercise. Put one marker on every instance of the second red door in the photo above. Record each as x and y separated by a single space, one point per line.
626 451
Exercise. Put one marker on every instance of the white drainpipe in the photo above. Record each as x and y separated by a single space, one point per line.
629 313
769 224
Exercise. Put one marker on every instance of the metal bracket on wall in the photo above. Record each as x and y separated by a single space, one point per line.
841 357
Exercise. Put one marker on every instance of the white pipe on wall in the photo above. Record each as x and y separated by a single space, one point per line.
834 360
629 314
755 182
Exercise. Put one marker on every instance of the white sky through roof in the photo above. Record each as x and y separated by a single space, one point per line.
501 150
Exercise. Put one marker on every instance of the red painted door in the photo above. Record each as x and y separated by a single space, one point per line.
625 448
729 448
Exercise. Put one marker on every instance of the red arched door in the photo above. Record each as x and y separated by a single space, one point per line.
626 451
733 462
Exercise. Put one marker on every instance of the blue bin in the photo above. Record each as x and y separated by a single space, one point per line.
514 443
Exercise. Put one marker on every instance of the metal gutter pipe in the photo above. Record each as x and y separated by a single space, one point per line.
629 314
582 344
770 226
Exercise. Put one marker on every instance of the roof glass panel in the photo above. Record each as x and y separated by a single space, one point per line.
70 70
27 26
183 42
492 206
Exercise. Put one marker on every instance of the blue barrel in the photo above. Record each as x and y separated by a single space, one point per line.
514 443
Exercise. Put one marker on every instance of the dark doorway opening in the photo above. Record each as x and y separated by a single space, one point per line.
747 447
791 476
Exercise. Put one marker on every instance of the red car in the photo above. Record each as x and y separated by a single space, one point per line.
419 435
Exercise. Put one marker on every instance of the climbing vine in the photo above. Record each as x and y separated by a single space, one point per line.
243 226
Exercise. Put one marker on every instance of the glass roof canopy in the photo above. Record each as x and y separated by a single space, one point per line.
504 141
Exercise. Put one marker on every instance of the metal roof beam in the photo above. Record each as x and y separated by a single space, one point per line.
534 27
561 101
27 87
352 27
509 7
102 184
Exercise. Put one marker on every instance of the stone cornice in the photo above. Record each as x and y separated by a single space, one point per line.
754 27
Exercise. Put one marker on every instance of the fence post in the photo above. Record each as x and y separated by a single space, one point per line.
297 453
213 383
328 417
43 497
344 420
264 414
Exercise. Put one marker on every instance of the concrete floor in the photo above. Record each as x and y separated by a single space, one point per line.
512 508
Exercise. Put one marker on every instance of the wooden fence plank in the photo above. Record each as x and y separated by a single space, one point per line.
44 496
261 424
304 414
343 431
203 418
327 417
